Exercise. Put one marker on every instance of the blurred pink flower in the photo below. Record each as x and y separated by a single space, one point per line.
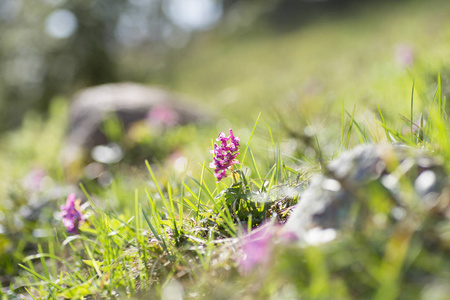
163 116
404 55
257 246
32 181
71 214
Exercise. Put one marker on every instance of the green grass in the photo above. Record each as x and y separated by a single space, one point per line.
190 235
149 247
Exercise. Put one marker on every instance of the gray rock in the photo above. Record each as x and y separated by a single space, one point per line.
130 102
350 179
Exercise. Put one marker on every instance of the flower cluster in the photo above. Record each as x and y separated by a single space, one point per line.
71 214
225 154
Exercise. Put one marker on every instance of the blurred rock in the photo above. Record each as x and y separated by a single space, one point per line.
107 154
377 180
129 103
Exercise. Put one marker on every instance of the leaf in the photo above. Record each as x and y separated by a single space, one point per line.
91 263
70 239
78 292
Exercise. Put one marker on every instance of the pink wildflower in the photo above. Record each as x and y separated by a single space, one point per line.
71 214
32 182
163 116
225 154
258 245
256 248
404 55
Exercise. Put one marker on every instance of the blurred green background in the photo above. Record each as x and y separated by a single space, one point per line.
216 51
297 62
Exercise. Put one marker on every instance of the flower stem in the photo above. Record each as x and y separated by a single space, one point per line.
233 174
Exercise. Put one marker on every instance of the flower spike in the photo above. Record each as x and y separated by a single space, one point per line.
225 154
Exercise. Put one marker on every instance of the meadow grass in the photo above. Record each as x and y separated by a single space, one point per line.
189 233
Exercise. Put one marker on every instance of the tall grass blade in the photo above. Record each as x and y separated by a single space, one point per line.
412 112
180 207
362 133
248 142
384 124
149 168
440 94
35 274
254 164
341 141
83 189
350 128
154 231
43 263
153 208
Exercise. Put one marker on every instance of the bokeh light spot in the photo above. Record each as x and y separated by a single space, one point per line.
61 24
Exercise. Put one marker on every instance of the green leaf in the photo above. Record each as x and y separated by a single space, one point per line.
91 263
78 292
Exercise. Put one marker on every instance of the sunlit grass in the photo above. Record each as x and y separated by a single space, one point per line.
186 235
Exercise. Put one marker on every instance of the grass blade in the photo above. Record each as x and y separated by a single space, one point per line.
412 112
248 142
350 128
